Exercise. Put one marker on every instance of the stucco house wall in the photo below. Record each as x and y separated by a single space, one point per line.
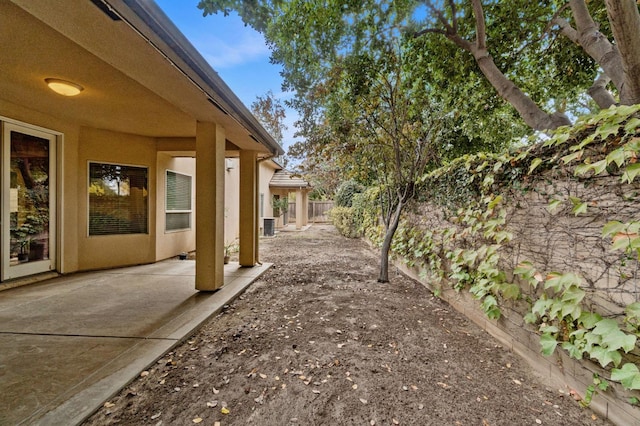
149 100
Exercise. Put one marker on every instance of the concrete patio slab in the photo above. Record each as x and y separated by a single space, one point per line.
70 343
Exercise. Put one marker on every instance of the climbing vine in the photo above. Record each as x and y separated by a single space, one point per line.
475 195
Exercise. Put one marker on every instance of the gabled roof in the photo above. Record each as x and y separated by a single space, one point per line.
284 179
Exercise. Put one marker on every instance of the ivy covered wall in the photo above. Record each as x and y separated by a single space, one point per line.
544 243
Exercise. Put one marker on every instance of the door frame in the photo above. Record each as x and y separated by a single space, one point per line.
55 143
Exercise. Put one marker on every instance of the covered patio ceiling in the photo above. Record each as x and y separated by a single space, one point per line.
139 73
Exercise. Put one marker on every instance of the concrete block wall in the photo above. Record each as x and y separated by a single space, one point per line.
558 371
563 242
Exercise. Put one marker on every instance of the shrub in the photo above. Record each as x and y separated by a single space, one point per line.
345 221
345 192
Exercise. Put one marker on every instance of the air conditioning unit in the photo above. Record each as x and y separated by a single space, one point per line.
269 226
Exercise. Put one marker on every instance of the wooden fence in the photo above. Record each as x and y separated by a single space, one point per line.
317 211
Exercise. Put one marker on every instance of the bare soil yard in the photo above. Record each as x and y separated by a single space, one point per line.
317 341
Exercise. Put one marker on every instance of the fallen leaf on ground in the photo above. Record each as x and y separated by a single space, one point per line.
364 401
212 404
264 376
155 416
144 374
354 387
197 420
109 404
224 410
517 382
395 422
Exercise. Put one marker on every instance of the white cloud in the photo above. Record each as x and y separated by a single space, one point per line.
229 52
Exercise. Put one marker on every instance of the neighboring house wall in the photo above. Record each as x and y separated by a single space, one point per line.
266 170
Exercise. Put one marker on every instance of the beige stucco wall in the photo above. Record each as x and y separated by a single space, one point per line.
77 146
231 200
106 251
172 243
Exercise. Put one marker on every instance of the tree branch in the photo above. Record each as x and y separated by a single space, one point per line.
481 28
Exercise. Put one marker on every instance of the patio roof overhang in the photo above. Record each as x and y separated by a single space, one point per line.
140 74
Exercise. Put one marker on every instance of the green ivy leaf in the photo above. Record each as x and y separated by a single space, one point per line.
579 207
628 375
631 172
616 156
606 356
553 205
573 295
632 125
494 202
612 228
548 343
571 157
612 337
599 166
589 319
574 351
535 163
511 291
582 169
608 129
541 306
530 318
523 268
633 310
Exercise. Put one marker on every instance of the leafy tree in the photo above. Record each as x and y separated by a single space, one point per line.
384 131
271 114
514 46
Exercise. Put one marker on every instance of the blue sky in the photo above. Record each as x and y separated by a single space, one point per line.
238 53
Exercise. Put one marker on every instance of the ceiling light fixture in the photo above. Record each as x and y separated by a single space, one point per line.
63 87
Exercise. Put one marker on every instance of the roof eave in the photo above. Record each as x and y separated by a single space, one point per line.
198 69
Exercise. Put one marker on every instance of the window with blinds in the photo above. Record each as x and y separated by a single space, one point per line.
178 202
118 199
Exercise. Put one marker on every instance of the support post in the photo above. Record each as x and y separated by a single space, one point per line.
299 209
248 208
305 207
210 144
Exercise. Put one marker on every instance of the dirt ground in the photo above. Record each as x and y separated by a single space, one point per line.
317 341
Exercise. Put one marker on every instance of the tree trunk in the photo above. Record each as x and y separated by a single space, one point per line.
593 42
599 93
530 112
625 25
386 243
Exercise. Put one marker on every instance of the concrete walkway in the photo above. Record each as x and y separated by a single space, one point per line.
68 344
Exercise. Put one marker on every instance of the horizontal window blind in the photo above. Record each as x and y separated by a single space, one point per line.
178 202
118 199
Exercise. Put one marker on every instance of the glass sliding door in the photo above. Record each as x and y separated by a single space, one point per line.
28 201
